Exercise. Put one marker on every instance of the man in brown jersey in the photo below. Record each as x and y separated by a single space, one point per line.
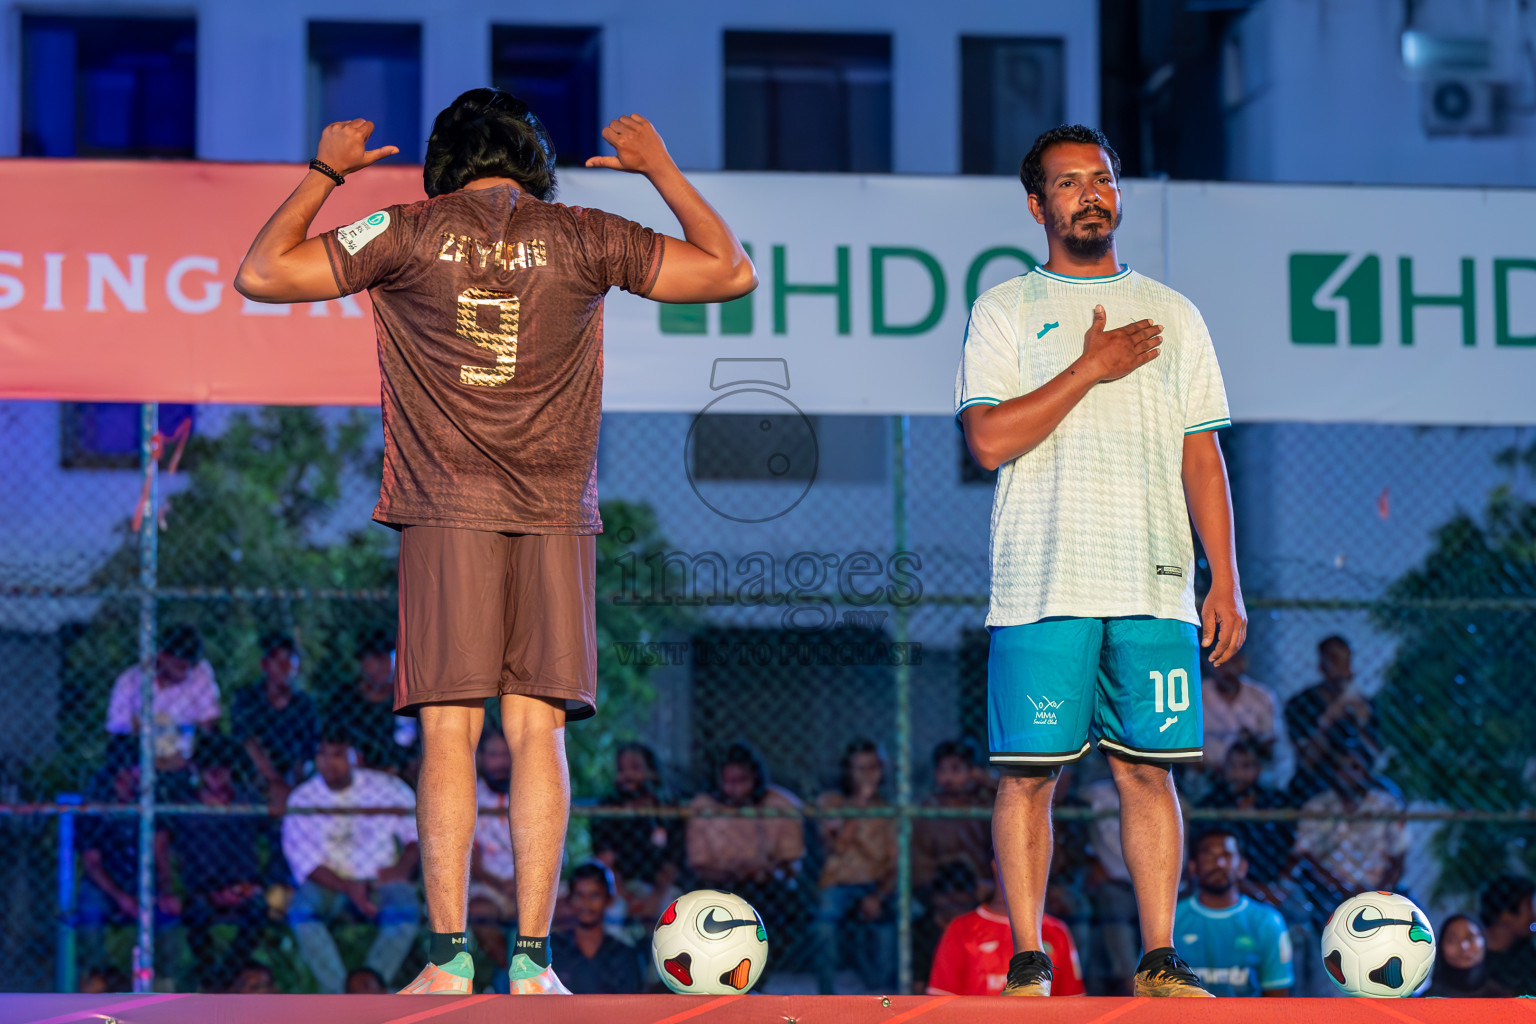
489 303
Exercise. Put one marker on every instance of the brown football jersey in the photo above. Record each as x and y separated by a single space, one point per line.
489 309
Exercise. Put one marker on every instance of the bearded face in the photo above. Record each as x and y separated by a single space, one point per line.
1087 232
1080 201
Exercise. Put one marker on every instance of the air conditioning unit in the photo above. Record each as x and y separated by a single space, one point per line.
1463 106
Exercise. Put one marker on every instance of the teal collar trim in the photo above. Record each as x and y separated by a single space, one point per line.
1205 911
1125 271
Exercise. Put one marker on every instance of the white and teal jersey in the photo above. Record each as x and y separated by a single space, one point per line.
1243 950
1092 523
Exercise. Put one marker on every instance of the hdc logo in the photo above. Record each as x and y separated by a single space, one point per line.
901 290
1336 298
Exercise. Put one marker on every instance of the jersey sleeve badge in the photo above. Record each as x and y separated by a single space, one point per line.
354 236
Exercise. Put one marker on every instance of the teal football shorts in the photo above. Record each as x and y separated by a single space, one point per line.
1132 684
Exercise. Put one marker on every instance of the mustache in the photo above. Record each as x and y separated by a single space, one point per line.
1092 213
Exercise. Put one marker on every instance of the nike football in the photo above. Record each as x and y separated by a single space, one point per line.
709 942
1378 944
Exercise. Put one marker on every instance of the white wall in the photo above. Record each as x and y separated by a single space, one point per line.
1316 91
661 58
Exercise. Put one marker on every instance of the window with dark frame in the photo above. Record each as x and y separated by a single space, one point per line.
807 102
1011 90
108 87
117 87
108 435
371 70
556 71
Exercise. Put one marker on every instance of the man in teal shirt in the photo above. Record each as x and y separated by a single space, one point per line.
1237 946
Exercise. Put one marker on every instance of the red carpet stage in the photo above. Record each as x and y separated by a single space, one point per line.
490 1009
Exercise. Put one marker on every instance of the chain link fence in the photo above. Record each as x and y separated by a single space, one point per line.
793 677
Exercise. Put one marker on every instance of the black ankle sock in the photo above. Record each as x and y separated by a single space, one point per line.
1153 958
535 947
444 946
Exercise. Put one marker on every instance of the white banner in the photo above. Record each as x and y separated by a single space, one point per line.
1326 303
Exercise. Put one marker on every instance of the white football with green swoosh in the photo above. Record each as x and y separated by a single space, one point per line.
709 942
1378 944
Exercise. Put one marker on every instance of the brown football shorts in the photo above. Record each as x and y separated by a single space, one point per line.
483 614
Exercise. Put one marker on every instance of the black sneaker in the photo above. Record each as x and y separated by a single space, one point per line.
1162 973
1029 974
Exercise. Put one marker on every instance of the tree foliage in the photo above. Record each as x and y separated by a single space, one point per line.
258 513
1465 728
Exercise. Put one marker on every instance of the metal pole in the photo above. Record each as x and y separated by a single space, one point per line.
64 964
149 539
900 468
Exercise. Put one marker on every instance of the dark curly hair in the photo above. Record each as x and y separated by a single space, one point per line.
742 755
1032 170
182 641
489 133
862 745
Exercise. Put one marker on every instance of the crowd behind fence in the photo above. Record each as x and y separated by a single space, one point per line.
793 708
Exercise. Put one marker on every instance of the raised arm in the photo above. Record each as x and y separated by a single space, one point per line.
1224 619
711 265
1001 433
284 264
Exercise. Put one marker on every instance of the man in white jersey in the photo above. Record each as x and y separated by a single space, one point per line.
1105 445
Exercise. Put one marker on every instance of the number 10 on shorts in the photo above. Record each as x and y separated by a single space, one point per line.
1175 685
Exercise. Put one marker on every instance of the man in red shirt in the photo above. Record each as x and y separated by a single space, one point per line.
972 958
488 299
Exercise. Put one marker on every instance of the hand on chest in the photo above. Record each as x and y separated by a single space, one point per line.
1051 337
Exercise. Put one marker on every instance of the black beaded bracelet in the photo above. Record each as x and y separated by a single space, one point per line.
327 170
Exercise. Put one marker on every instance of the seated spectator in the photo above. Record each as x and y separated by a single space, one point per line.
384 741
1508 917
972 958
859 874
220 876
644 853
756 858
1327 717
254 980
186 698
365 981
364 861
1266 844
950 895
101 982
1348 847
108 894
1236 707
276 722
492 886
958 781
1461 962
1237 946
593 961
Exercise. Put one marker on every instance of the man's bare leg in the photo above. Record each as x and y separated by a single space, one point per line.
1021 835
1152 834
446 808
539 805
445 832
1152 837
